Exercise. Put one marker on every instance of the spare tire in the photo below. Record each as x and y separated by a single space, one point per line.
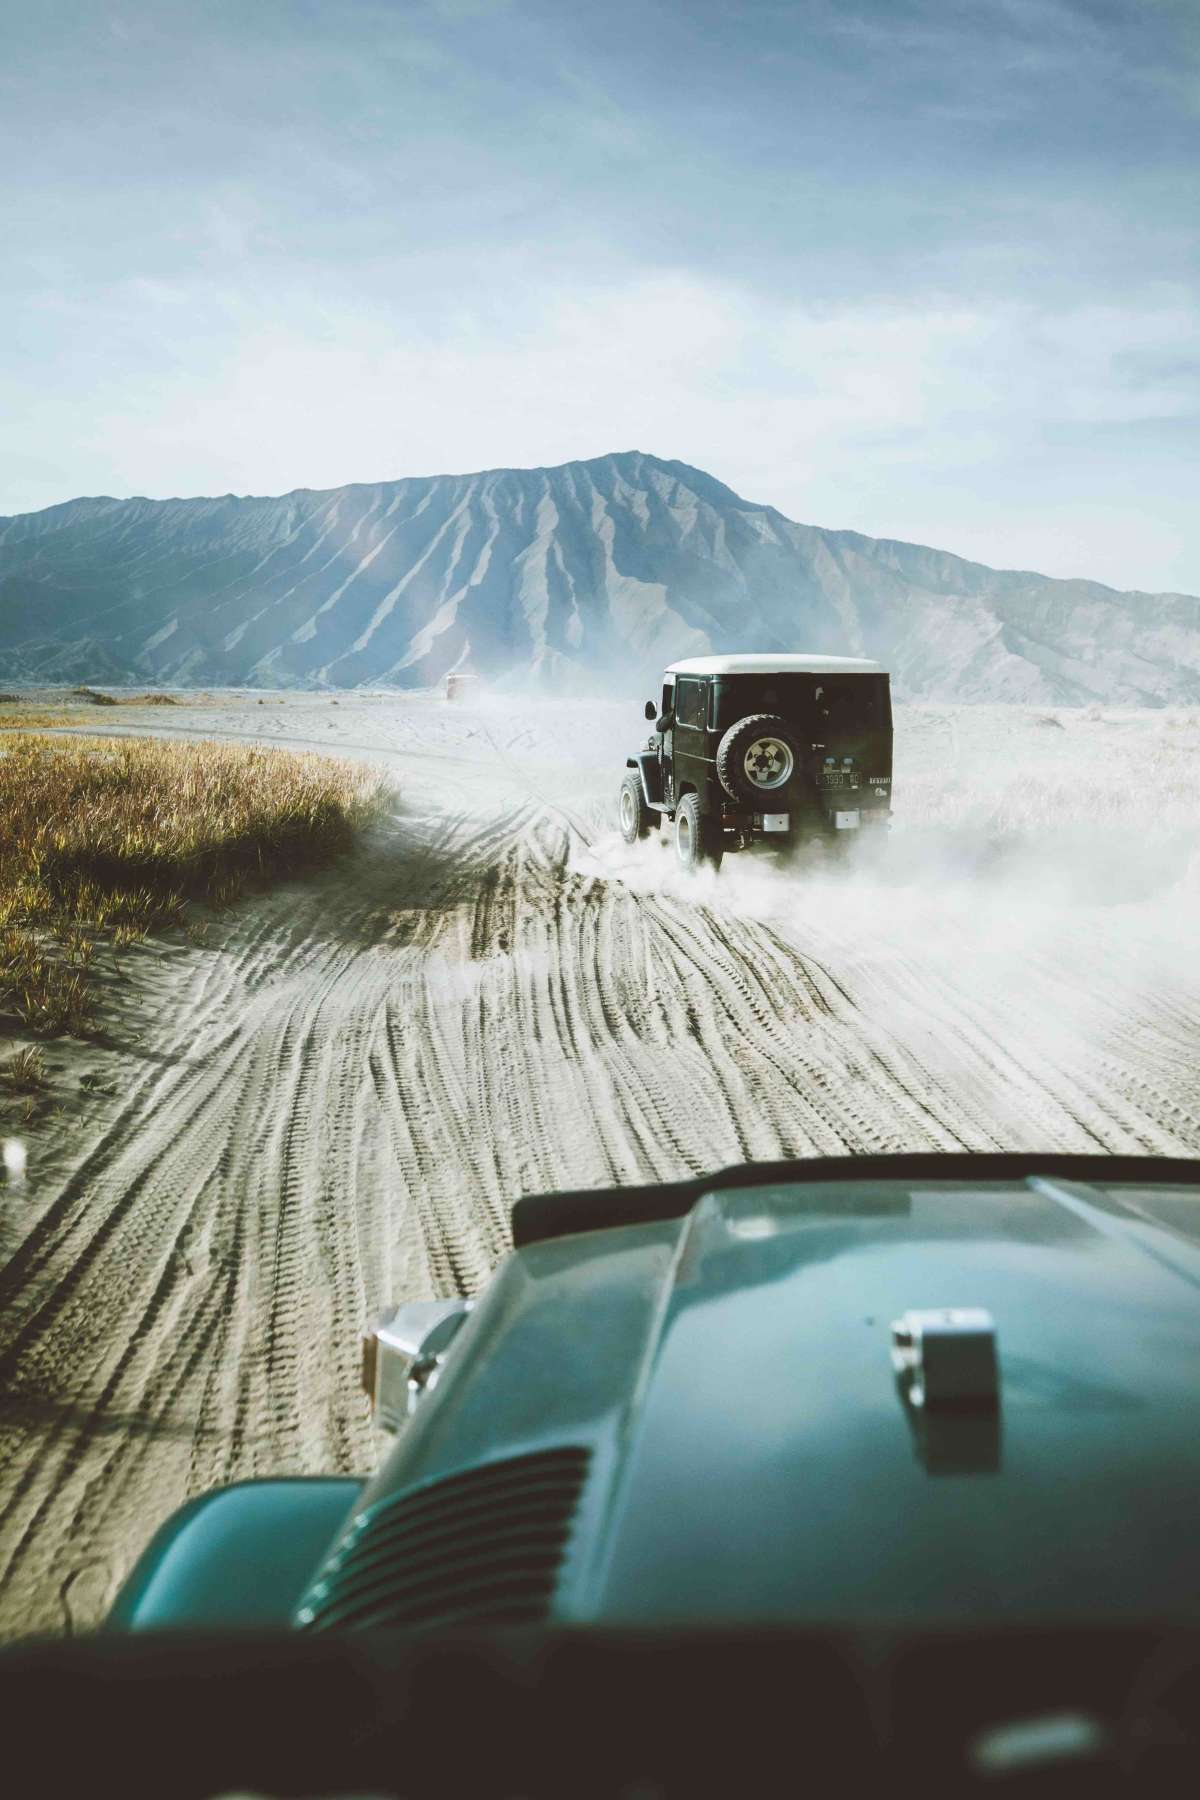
757 758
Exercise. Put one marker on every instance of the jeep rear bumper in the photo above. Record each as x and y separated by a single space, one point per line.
806 822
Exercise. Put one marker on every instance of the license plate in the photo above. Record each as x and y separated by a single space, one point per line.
774 821
846 821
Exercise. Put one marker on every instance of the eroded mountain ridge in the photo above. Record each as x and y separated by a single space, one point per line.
573 578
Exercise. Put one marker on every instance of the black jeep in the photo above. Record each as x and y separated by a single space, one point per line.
754 748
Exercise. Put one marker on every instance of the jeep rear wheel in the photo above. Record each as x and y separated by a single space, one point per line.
757 758
632 812
696 842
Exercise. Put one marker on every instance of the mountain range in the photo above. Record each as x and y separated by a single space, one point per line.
585 577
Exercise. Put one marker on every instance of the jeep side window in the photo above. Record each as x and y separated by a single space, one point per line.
690 703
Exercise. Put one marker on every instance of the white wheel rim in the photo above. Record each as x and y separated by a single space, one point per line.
683 838
628 816
768 762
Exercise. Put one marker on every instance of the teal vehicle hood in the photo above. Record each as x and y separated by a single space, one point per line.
725 1379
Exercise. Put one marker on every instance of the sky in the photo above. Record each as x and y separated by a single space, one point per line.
926 269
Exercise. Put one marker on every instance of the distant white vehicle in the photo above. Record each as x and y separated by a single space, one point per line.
461 686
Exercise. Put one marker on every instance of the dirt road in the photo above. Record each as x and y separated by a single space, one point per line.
335 1100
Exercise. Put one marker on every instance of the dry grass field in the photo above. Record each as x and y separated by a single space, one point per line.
100 839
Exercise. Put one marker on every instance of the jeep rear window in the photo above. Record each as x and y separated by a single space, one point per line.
860 700
810 702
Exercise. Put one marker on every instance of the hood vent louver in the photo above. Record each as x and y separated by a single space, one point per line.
483 1546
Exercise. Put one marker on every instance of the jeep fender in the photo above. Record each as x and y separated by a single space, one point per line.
238 1557
650 770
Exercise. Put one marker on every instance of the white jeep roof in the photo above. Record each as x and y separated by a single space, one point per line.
800 662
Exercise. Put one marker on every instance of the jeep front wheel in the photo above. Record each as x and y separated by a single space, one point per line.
695 841
632 811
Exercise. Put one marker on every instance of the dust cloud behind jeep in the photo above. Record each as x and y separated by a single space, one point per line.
762 749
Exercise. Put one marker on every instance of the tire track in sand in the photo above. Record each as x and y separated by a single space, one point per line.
370 1066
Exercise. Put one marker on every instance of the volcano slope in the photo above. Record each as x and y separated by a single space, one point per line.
334 1100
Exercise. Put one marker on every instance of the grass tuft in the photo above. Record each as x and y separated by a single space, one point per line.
94 697
103 839
25 1071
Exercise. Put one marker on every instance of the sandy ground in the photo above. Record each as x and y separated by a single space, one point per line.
334 1099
